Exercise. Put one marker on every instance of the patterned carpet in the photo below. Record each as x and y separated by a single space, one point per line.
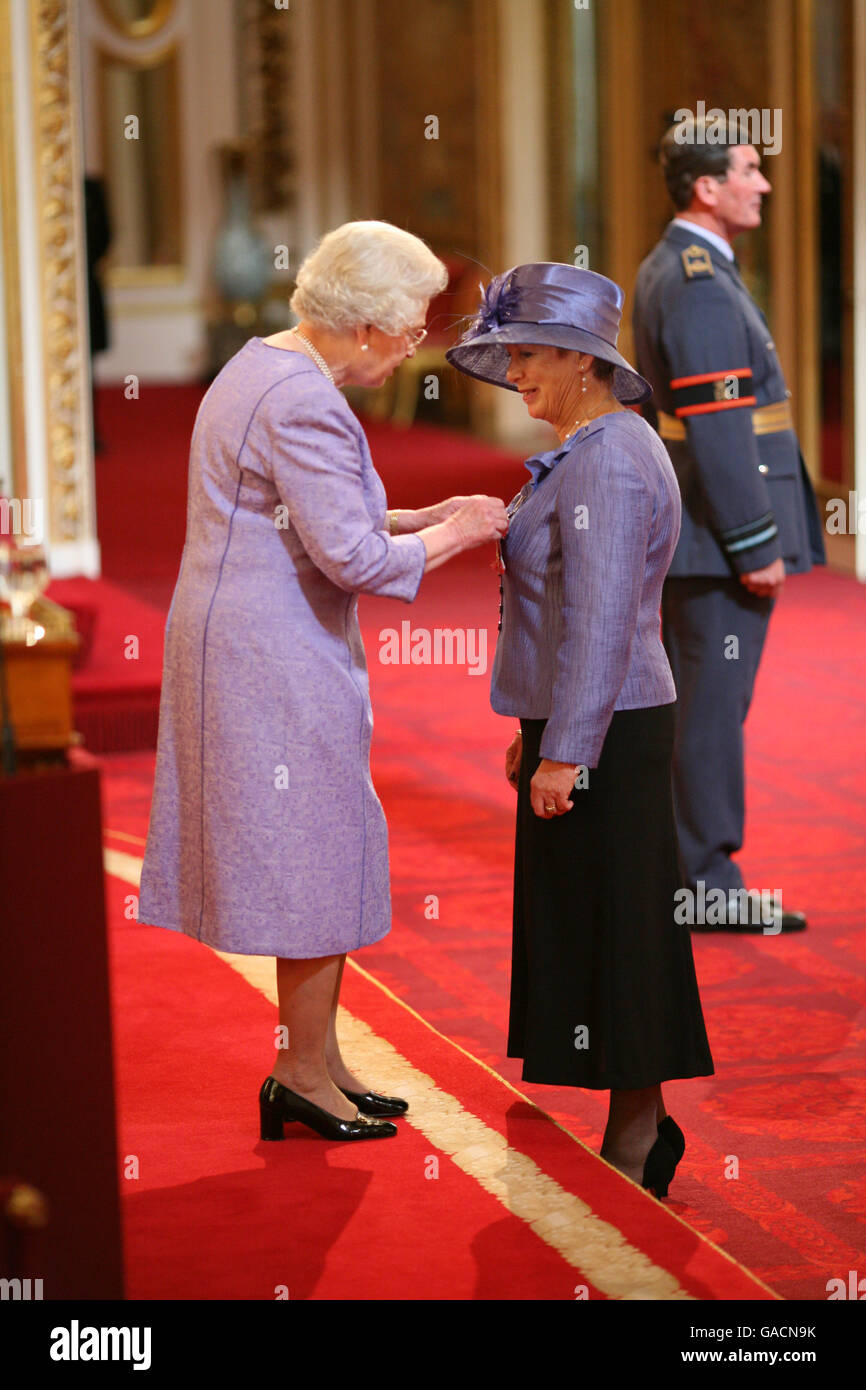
774 1169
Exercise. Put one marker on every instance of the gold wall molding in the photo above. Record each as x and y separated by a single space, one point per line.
58 197
622 112
265 43
14 365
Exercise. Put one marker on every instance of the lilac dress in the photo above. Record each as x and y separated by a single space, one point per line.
266 834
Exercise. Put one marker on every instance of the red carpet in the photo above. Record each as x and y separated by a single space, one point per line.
117 678
784 1015
215 1213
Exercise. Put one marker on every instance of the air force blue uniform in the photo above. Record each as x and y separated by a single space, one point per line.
722 408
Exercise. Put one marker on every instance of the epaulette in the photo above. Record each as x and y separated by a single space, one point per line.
696 262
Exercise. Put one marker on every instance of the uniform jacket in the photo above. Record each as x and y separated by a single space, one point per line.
589 543
704 345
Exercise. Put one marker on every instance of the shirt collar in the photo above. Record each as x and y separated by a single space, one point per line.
712 237
539 465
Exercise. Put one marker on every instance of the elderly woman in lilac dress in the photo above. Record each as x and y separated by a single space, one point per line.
266 834
603 988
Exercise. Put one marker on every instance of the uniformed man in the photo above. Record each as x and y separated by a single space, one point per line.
749 514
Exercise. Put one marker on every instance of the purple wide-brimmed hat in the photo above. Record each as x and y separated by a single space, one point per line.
553 304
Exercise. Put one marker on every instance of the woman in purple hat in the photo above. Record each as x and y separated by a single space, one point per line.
266 834
603 988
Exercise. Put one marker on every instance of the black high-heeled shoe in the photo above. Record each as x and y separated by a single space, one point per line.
372 1103
659 1168
670 1130
277 1105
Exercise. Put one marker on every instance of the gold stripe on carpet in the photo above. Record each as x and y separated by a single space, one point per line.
595 1249
122 835
497 1076
122 865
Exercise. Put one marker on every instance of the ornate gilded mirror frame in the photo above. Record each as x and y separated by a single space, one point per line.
44 302
14 474
159 272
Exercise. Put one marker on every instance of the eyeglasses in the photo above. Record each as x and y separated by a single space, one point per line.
415 336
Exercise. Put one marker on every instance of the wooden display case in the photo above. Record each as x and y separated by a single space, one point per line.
39 678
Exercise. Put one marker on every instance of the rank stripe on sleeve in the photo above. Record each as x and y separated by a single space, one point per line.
709 407
701 377
752 534
710 391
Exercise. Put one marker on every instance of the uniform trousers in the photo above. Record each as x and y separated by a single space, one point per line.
713 632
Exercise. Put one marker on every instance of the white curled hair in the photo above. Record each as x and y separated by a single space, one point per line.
367 272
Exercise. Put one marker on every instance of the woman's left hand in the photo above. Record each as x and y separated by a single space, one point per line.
550 788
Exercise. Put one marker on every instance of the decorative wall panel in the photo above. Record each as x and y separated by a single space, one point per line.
58 195
437 122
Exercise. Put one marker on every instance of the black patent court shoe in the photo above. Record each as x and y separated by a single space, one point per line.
278 1105
372 1103
670 1130
659 1168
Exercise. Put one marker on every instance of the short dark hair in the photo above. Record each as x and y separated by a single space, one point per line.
685 154
602 370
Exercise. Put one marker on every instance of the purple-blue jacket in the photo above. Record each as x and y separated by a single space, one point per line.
590 540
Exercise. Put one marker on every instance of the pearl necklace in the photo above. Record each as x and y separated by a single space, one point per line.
593 415
316 356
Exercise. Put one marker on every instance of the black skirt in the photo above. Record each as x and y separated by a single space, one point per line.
603 987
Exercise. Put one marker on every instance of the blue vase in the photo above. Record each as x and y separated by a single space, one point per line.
243 262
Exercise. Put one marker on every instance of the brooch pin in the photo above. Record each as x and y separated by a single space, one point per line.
513 507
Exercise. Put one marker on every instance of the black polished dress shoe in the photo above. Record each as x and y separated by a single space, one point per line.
763 918
789 921
372 1103
659 1168
278 1105
671 1132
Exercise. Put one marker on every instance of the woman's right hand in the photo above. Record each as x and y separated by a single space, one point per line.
513 758
479 520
